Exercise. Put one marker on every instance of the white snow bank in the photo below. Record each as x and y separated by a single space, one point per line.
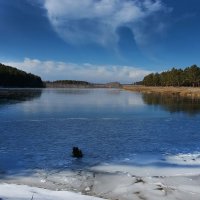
108 182
23 192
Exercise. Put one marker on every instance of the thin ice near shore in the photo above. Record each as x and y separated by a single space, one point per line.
114 182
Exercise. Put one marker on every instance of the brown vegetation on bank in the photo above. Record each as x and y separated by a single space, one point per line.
192 92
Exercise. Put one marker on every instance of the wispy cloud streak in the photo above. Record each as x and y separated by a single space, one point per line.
97 21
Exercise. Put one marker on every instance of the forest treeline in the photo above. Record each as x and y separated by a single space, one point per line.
67 84
80 84
70 82
12 77
190 76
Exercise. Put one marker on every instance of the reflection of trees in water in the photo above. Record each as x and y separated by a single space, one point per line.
8 96
73 91
113 91
173 103
83 91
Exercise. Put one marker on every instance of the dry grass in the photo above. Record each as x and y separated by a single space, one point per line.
193 92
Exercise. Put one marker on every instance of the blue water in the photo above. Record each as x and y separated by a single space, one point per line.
109 125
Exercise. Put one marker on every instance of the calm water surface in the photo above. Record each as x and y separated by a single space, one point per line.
38 128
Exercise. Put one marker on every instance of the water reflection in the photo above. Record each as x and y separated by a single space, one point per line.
109 125
83 101
9 96
70 91
173 103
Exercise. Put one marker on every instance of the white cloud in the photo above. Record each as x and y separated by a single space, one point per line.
97 21
51 70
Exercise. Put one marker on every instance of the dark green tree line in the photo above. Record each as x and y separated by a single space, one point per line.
73 82
12 77
190 76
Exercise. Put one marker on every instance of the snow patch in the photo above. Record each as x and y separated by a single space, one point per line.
23 192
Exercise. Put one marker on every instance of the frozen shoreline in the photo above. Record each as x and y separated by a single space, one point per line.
23 192
116 182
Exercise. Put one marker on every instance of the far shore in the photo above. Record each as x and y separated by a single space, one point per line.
192 92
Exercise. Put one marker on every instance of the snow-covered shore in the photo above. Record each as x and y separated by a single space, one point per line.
106 181
23 192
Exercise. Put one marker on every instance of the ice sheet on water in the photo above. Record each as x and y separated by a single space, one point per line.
184 159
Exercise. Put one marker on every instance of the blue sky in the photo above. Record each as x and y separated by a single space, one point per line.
99 40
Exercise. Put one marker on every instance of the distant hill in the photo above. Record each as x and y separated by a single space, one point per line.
68 84
12 77
113 85
80 84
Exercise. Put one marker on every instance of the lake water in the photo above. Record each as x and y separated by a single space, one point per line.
38 128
